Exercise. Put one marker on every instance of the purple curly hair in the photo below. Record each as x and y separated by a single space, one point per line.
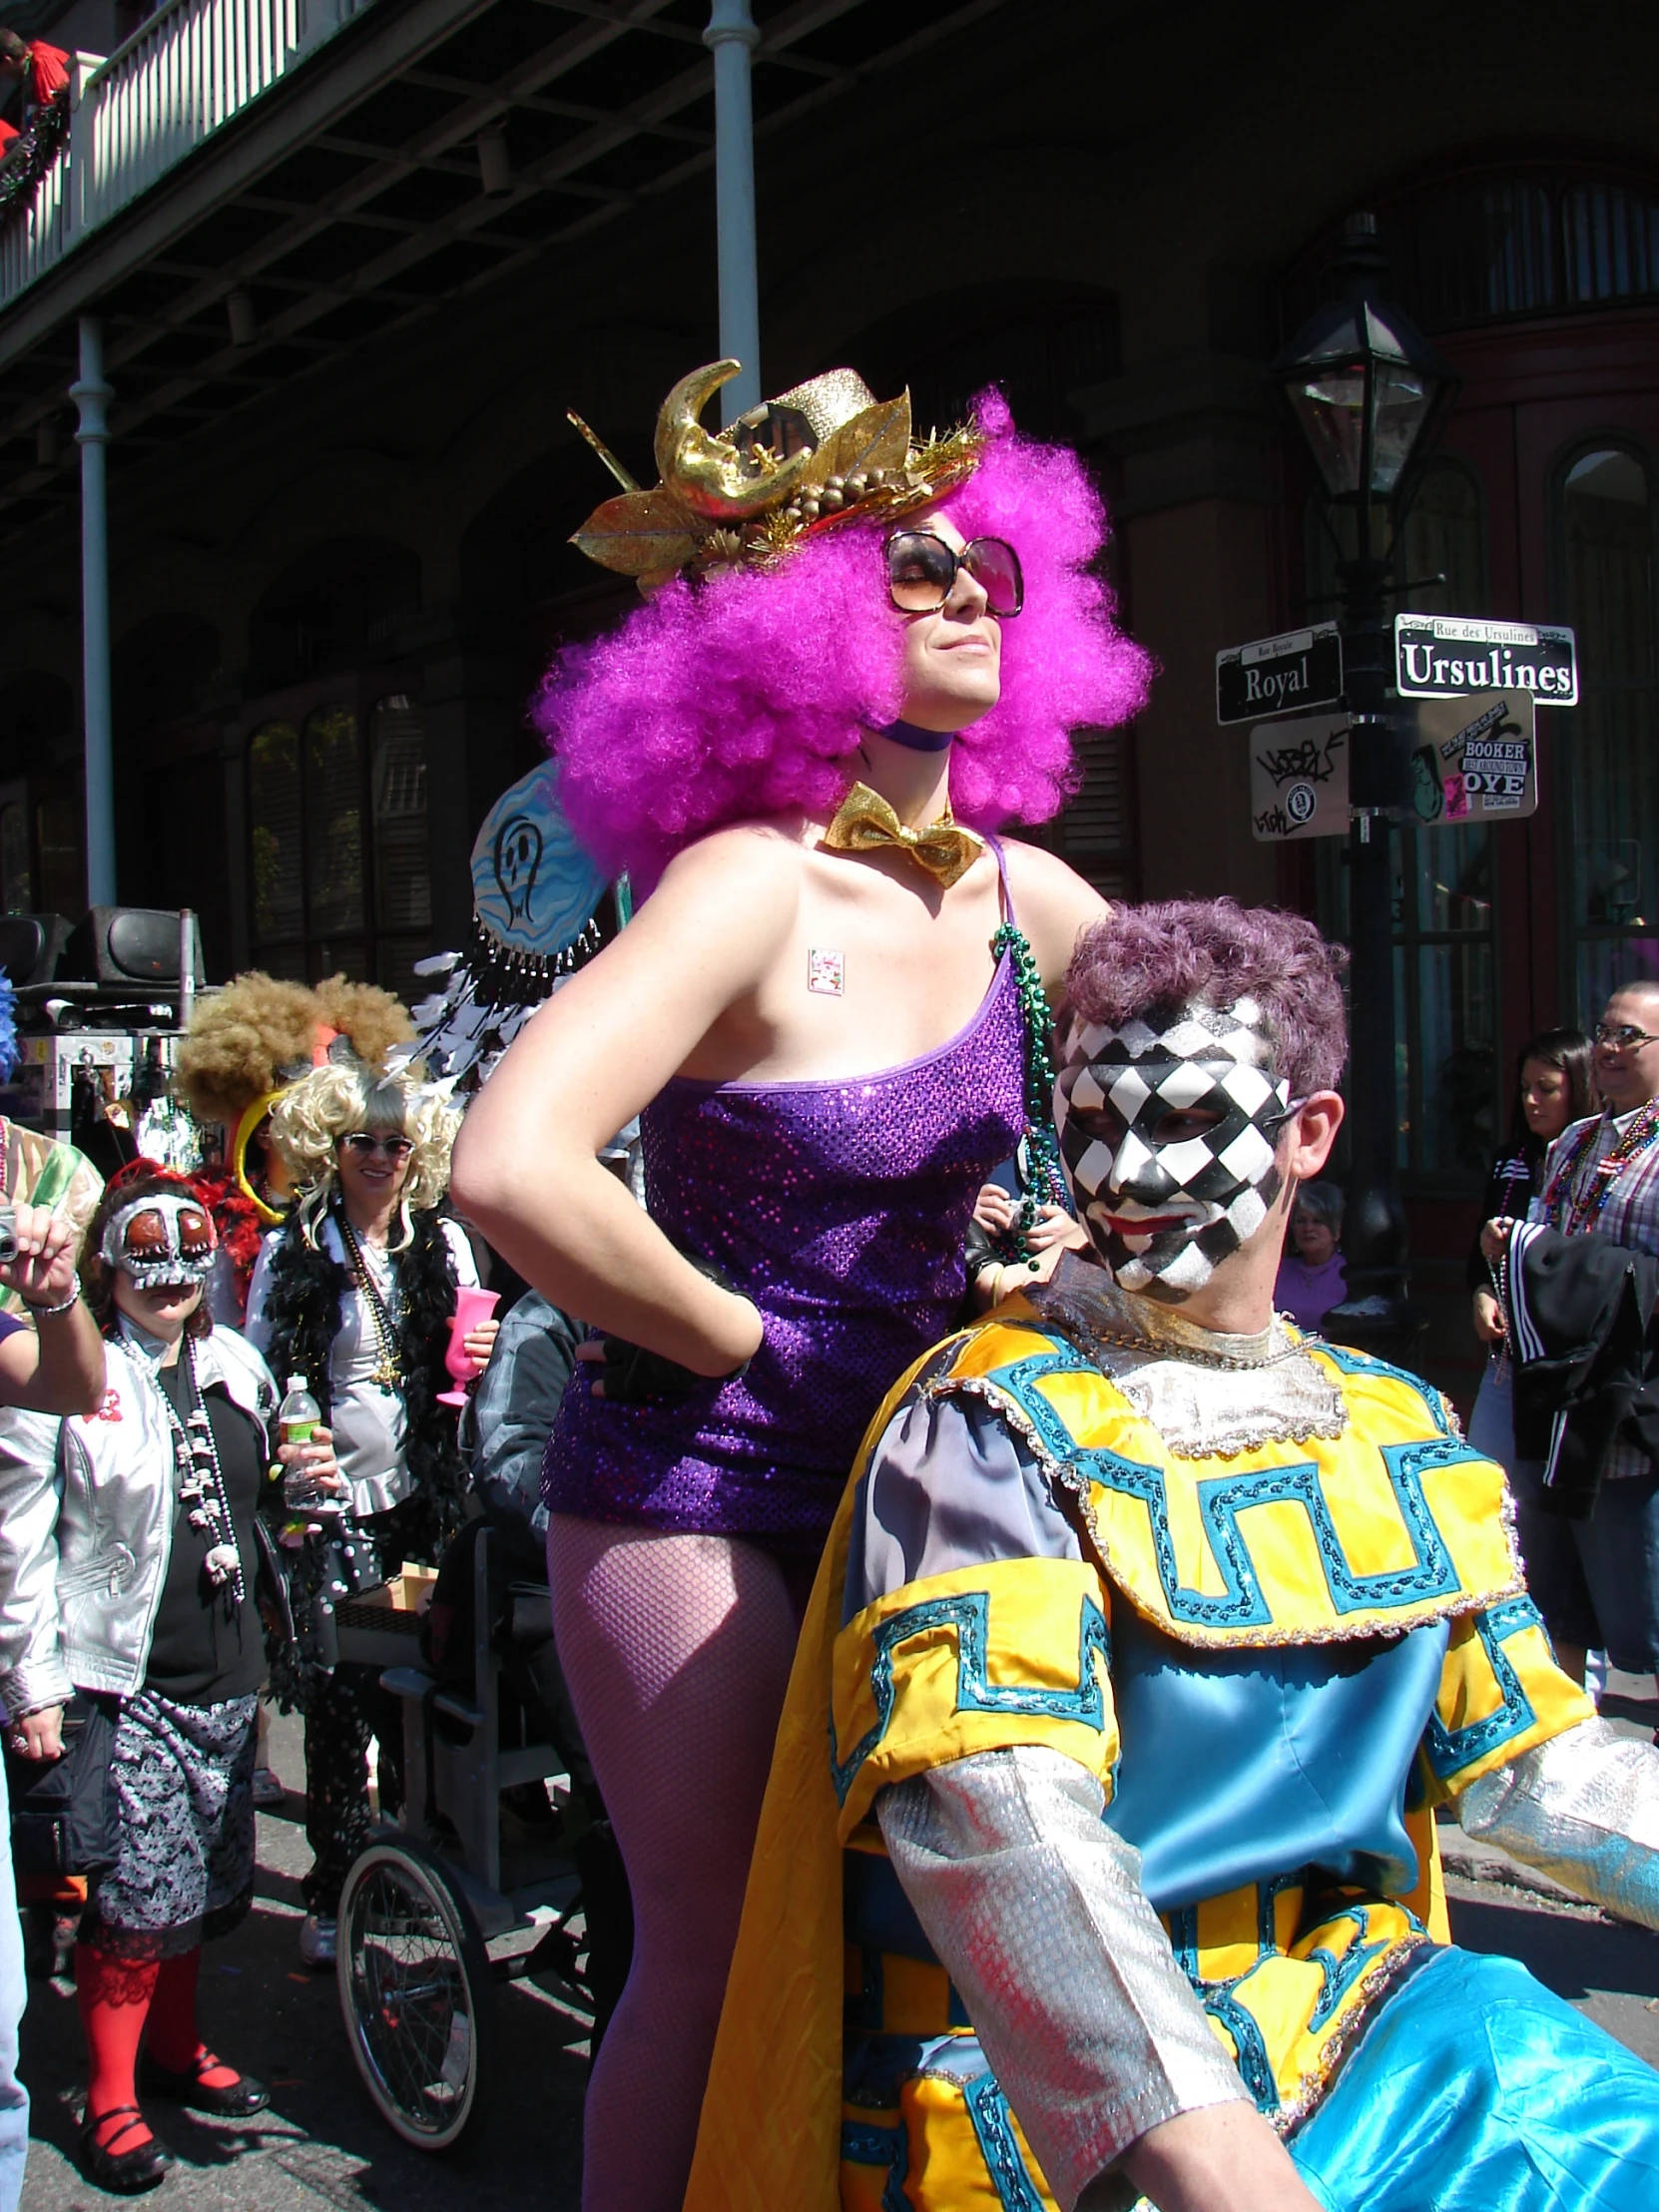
1216 951
742 696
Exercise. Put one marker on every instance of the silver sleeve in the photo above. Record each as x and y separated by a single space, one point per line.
1584 1808
1035 1909
32 1671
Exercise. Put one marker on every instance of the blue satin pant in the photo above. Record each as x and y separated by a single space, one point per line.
1477 2090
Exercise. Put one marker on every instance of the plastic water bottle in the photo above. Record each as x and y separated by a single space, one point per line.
298 1417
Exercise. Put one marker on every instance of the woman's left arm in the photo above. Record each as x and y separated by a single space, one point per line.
1053 906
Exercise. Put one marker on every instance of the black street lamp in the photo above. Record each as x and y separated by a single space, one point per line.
1368 393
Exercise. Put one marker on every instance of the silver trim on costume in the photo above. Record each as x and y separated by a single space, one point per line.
1208 1394
1032 1903
1584 1808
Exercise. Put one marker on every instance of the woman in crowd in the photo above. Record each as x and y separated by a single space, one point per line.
1312 1276
354 1291
1555 1087
151 1501
828 1013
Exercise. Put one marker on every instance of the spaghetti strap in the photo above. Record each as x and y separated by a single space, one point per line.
1001 860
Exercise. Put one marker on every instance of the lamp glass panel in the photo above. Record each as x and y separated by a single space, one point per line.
1403 398
1329 404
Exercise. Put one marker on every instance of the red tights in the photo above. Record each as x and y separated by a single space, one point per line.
117 1997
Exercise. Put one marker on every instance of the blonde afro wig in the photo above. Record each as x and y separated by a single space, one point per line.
240 1040
370 1018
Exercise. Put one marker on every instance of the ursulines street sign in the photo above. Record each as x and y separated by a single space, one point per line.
1455 656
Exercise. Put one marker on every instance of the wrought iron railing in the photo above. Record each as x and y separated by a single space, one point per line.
183 75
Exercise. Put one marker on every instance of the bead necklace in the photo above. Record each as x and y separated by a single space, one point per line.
1585 1205
201 1490
389 1372
1042 1149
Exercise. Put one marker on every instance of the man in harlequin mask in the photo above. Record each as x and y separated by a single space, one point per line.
1099 1855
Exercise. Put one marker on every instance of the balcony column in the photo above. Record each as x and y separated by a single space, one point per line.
92 396
731 36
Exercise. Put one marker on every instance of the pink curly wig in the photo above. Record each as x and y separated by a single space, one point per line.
1215 951
742 696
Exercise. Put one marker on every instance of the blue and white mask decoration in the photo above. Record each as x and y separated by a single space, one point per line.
1167 1126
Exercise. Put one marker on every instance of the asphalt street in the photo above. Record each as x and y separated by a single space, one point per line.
322 2145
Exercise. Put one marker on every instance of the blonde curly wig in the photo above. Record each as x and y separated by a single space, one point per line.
308 1120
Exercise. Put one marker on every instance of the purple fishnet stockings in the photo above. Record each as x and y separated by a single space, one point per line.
677 1650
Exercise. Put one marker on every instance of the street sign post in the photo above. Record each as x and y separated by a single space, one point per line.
1476 760
1457 656
1302 669
1298 779
1472 759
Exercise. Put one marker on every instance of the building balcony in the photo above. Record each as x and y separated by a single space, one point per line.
193 68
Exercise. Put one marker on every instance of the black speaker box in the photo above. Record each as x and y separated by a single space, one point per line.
30 946
125 945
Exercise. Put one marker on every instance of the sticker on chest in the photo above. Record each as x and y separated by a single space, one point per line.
825 972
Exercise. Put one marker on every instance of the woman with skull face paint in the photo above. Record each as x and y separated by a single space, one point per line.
153 1500
798 748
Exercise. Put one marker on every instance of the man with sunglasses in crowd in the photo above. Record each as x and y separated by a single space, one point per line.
1592 1559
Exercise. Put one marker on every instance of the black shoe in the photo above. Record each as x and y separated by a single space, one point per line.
124 2173
230 2100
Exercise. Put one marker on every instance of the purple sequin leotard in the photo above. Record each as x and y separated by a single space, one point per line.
841 1209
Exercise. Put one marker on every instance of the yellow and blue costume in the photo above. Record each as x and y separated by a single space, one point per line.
1272 1661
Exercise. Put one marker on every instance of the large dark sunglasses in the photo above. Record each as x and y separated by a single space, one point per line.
921 571
1621 1036
362 1146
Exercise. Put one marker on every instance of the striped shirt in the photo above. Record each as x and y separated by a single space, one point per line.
1630 1217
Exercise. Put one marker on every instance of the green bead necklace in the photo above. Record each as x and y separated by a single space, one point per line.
1042 1146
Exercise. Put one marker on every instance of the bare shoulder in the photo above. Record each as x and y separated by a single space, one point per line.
1053 903
753 867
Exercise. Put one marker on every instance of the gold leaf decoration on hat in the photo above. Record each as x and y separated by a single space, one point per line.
826 453
636 532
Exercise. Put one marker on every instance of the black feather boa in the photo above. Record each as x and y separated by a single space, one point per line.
303 1311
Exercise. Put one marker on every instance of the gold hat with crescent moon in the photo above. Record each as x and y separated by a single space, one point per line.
826 453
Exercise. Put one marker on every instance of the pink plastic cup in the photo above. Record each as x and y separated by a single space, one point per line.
471 1307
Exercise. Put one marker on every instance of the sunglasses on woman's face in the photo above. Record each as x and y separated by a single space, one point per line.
921 572
362 1146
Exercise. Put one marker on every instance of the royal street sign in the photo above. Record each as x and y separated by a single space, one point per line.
1455 656
1302 669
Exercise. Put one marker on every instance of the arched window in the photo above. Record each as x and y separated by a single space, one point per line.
1605 560
325 896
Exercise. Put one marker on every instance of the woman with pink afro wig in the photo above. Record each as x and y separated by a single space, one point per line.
717 702
824 1040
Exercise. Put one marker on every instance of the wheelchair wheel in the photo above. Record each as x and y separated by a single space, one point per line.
417 1991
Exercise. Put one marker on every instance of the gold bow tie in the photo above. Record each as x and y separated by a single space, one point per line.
864 821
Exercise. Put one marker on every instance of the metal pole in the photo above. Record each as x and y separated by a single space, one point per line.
731 37
1374 1230
92 397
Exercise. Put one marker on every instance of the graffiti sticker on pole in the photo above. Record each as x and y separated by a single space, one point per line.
1458 656
1298 779
1476 760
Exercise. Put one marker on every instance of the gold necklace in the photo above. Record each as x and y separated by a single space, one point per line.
388 1372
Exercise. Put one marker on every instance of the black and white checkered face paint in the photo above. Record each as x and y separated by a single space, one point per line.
1167 1126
